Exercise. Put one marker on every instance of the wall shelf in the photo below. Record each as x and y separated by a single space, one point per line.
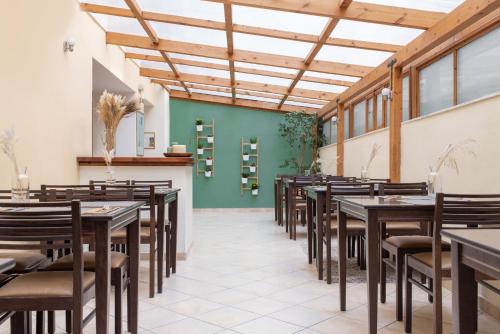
201 138
245 165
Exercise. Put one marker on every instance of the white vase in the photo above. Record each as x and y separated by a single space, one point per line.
199 151
209 162
246 157
208 173
253 146
255 192
364 175
20 191
244 180
434 184
199 128
210 139
252 169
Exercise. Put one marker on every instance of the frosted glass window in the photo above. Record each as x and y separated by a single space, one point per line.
387 112
380 112
326 132
346 123
359 119
334 133
436 86
406 98
479 67
370 114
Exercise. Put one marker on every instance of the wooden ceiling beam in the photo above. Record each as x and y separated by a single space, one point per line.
208 24
240 84
345 3
357 11
325 34
239 55
459 19
228 19
260 105
239 69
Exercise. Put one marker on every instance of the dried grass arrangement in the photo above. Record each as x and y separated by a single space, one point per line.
449 156
7 143
374 152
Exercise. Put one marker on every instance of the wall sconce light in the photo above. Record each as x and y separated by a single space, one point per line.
386 93
334 119
69 44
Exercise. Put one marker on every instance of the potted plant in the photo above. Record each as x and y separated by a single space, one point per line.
200 149
199 124
252 168
244 178
253 143
210 139
209 161
208 171
246 156
255 189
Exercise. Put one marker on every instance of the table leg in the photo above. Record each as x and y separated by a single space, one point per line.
287 213
173 210
160 243
342 255
280 204
102 276
275 201
309 220
133 242
372 266
464 297
319 235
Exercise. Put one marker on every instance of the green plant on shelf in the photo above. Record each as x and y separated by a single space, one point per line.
199 121
244 177
252 167
199 124
209 161
255 189
246 156
255 186
208 171
253 143
200 149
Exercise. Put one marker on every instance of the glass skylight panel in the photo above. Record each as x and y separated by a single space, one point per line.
189 8
431 5
155 64
271 45
272 19
331 76
352 56
266 68
203 71
263 79
112 3
142 51
210 92
257 98
375 32
125 25
320 87
190 34
197 58
301 104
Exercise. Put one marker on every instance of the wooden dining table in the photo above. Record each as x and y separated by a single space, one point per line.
374 211
121 214
473 252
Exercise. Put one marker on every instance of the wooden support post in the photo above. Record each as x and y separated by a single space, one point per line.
340 139
395 124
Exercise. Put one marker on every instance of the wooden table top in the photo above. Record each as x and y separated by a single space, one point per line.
6 264
487 239
394 201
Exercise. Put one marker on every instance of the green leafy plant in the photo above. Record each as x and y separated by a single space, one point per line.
245 175
301 132
255 186
246 153
253 140
199 121
209 158
253 164
200 145
208 168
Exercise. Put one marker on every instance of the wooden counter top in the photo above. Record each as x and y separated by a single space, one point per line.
136 161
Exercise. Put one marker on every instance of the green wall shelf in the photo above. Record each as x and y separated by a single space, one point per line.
245 166
202 137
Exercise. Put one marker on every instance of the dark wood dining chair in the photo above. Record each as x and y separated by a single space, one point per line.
106 183
327 227
400 238
118 260
45 226
297 202
452 211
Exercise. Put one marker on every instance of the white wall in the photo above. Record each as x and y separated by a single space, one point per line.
328 155
47 94
157 119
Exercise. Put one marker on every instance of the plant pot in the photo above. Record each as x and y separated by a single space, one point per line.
252 169
199 151
199 128
209 162
253 146
210 139
255 192
246 157
208 174
244 180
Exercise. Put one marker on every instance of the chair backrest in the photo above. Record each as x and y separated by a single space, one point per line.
163 183
7 194
103 183
344 189
44 226
374 180
336 178
419 188
85 193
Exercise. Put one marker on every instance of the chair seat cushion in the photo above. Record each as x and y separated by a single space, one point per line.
353 225
402 226
426 258
410 241
25 261
66 262
122 233
44 284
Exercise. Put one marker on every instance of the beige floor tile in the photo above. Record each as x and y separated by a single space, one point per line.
227 317
259 288
158 317
301 316
230 297
340 325
193 306
420 325
266 325
262 305
188 326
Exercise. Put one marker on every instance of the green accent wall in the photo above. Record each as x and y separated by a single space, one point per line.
231 123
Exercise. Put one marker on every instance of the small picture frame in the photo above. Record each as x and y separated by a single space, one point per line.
149 140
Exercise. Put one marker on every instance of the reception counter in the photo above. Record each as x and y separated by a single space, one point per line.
179 170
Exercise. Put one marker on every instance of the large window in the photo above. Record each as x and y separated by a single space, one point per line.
436 86
478 67
406 98
380 111
359 119
346 123
387 112
370 114
327 132
334 133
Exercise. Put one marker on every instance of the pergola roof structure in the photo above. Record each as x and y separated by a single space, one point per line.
278 55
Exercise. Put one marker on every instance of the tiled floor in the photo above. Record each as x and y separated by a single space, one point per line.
245 276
